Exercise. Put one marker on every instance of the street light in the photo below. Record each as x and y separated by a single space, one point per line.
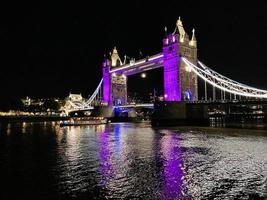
143 75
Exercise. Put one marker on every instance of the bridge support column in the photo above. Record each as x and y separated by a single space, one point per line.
106 82
206 96
171 62
214 93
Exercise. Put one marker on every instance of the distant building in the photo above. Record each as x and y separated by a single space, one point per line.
26 101
32 102
75 97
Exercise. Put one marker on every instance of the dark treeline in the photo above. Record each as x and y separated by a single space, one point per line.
10 103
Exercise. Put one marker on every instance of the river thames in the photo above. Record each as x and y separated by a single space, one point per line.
42 160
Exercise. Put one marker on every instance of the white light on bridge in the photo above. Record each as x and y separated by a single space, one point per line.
223 83
143 75
188 68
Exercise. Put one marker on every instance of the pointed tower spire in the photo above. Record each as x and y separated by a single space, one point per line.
166 31
181 30
115 58
193 41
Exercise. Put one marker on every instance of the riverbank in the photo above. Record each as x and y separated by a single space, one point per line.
33 118
262 126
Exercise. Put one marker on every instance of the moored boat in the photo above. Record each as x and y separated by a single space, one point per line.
77 121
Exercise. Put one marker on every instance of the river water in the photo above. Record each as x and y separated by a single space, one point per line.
131 161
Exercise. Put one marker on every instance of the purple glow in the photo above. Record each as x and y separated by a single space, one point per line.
105 168
117 137
106 82
171 62
172 172
153 59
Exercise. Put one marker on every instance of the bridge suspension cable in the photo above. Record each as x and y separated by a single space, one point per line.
223 83
78 105
97 92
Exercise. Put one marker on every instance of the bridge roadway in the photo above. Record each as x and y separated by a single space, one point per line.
149 63
216 102
144 105
231 102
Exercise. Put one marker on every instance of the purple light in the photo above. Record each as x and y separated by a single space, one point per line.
105 168
172 172
106 82
117 145
171 62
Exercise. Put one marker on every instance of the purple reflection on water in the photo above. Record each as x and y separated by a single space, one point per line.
105 168
172 163
117 146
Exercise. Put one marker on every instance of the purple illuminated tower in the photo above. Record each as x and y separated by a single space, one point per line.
180 82
106 82
171 62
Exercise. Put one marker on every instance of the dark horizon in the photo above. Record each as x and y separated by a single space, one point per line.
49 50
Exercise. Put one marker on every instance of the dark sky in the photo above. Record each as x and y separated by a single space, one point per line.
50 49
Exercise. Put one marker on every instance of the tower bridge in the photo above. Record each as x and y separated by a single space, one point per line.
181 71
179 82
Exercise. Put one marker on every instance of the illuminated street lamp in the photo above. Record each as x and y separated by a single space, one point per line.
143 75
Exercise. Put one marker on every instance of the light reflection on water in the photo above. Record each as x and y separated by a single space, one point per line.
130 161
172 166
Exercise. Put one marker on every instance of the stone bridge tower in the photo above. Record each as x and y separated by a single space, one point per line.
180 83
187 49
115 85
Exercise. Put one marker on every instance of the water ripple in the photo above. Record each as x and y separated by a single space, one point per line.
131 161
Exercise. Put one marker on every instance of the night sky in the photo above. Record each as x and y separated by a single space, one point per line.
51 49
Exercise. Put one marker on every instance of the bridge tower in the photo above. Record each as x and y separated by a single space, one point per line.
106 81
180 83
187 49
115 84
171 60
